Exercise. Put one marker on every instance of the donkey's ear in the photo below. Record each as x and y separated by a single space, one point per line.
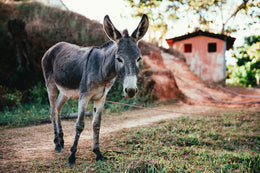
141 29
111 31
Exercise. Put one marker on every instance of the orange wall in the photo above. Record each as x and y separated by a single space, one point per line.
209 66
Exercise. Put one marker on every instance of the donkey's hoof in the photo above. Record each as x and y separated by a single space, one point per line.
71 160
71 163
58 148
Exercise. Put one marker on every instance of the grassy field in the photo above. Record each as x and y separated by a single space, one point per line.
223 142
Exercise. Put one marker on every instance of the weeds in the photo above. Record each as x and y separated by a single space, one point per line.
23 115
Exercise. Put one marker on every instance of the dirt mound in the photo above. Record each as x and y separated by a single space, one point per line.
160 81
165 86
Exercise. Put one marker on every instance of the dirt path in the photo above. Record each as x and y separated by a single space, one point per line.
22 145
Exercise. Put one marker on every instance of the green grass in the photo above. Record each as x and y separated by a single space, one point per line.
29 114
23 114
227 142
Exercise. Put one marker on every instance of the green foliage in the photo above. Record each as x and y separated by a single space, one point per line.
247 72
11 97
24 115
30 113
252 39
15 96
38 94
158 25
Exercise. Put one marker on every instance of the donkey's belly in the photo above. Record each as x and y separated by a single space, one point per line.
70 93
98 93
95 94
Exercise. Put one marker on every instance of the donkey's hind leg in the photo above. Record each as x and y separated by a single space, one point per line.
62 99
52 94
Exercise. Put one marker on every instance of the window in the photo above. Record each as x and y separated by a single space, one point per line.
187 48
212 47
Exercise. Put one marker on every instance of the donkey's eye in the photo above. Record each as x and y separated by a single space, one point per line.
120 60
139 59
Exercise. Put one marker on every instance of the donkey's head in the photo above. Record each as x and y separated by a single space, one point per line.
128 56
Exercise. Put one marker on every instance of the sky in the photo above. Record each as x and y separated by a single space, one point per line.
120 14
118 11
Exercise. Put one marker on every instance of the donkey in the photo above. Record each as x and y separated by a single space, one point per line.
88 73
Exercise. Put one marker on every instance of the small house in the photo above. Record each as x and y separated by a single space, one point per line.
204 53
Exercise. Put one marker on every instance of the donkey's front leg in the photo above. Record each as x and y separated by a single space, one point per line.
98 108
82 105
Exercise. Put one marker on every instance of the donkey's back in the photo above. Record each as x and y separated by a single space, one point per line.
63 64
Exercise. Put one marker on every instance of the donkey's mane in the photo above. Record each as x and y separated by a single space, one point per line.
105 45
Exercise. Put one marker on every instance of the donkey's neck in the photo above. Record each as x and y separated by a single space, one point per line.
108 71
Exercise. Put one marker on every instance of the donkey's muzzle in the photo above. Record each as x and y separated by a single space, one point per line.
131 92
130 86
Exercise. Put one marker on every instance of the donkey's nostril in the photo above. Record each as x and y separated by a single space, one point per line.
130 92
126 90
136 90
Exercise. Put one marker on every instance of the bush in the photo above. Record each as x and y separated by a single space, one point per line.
38 94
14 96
246 73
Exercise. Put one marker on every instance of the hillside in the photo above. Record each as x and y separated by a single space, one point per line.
29 29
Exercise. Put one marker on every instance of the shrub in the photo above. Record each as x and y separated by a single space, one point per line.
246 73
38 94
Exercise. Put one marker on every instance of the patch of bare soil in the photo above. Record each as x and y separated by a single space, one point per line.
156 77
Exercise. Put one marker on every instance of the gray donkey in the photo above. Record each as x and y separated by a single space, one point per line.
88 73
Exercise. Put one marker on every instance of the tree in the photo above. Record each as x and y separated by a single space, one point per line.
247 72
152 9
211 15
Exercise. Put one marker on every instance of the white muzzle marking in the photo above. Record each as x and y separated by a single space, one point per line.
130 86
